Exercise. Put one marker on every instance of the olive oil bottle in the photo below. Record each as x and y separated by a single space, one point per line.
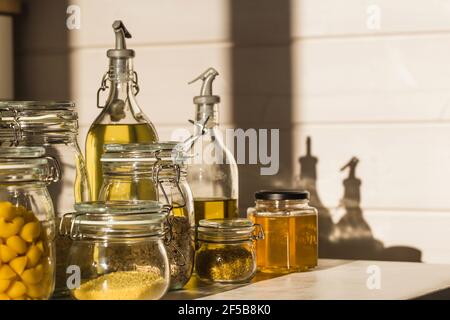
212 173
121 120
101 134
214 208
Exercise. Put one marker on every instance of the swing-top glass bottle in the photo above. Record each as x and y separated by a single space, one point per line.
121 120
213 172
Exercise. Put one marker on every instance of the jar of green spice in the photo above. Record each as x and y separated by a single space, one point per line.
226 250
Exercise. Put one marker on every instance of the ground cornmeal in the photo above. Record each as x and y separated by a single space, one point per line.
225 264
122 285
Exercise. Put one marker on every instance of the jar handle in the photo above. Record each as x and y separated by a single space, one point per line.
15 126
175 247
103 87
55 170
178 252
135 83
168 229
62 229
70 232
159 183
75 234
260 234
177 183
196 241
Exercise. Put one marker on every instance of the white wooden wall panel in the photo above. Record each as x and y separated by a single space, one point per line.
382 95
402 166
348 18
153 22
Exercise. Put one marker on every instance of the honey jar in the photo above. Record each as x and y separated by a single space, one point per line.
290 231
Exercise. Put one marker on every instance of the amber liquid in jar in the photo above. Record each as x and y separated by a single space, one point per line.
289 245
290 241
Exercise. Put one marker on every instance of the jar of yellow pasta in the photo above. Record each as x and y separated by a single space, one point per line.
27 227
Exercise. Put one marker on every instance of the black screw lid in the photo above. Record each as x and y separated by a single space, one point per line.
282 195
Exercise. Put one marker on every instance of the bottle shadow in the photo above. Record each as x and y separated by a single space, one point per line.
351 237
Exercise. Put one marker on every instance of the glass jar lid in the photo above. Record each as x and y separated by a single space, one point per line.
37 121
145 152
22 152
228 230
115 220
27 164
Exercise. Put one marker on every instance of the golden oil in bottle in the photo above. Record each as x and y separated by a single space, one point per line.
101 134
215 208
178 211
289 244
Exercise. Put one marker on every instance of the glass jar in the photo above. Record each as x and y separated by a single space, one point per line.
155 171
54 126
118 250
290 229
27 223
226 250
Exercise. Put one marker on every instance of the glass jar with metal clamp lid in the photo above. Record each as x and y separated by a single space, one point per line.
155 171
27 223
53 125
226 250
118 250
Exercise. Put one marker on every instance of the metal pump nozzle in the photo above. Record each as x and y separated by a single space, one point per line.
206 92
120 50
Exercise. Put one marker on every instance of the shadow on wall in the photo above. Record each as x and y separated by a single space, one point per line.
261 84
351 237
42 69
41 58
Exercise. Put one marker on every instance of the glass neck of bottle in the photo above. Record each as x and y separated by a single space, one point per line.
121 102
207 111
122 80
120 89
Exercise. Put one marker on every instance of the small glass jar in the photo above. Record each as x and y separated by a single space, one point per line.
290 229
118 250
226 250
27 223
54 126
155 171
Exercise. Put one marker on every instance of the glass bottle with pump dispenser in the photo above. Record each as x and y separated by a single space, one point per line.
212 172
121 120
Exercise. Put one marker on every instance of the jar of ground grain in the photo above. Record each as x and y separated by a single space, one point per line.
118 250
226 250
